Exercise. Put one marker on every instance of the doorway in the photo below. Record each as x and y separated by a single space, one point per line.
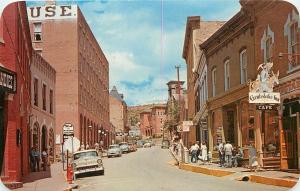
2 130
291 108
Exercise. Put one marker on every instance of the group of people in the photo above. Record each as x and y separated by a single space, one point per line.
200 152
35 157
230 156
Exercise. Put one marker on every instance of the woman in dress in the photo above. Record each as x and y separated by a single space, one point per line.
204 152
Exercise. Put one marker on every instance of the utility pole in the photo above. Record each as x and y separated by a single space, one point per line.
178 81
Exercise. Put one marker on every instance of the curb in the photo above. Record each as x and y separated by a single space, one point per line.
207 171
272 181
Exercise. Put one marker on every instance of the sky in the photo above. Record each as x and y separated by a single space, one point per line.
143 40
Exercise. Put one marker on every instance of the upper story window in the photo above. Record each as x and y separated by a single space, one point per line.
35 92
214 81
291 31
51 101
37 28
243 65
44 96
269 49
226 75
267 43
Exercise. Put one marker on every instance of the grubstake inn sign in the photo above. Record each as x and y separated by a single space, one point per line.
261 90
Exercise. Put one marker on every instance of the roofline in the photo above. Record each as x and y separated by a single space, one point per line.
192 23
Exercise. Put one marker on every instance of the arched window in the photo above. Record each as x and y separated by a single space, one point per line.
243 66
214 81
226 75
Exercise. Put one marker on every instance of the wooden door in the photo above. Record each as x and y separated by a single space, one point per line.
289 143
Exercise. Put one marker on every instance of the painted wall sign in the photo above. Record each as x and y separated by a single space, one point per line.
265 107
8 80
52 12
261 90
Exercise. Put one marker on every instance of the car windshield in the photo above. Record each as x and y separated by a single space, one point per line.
113 146
85 154
123 144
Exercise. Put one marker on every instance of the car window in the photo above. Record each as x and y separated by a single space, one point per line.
85 154
113 146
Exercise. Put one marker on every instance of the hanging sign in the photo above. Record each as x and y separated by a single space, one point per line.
261 90
8 80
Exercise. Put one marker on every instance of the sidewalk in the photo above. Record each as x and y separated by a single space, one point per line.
53 179
276 178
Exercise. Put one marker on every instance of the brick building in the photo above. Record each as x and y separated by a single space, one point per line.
145 124
42 127
15 57
233 54
158 117
197 31
81 69
118 113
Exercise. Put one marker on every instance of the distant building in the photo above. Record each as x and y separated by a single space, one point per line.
62 36
158 117
145 125
15 119
118 114
42 130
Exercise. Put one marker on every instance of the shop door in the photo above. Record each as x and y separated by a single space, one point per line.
290 141
2 132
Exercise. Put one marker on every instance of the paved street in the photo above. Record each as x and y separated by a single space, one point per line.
148 170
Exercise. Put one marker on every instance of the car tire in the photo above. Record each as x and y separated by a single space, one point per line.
108 156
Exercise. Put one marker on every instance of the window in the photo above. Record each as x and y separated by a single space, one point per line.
243 65
269 49
35 92
44 96
226 75
37 28
214 81
294 41
51 101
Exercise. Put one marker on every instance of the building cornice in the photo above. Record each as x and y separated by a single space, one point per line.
193 23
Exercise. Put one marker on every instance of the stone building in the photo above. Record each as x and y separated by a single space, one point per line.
42 129
118 114
15 119
197 31
233 54
62 36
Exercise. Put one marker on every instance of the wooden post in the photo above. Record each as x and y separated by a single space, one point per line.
298 138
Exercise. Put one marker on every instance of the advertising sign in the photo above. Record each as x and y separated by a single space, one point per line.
186 126
261 90
8 80
47 12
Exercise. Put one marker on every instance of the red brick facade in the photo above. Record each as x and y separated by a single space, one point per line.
69 45
15 55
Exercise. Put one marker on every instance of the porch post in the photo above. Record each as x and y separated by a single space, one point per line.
298 138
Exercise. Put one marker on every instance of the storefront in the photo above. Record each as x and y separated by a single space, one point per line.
7 86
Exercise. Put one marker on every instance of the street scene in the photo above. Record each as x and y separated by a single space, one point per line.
149 95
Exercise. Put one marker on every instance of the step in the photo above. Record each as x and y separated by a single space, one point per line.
272 162
13 185
272 167
271 158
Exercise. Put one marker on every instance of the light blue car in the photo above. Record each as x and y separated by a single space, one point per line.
114 150
124 147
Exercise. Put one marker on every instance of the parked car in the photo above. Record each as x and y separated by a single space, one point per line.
124 147
132 147
114 150
87 161
140 143
165 144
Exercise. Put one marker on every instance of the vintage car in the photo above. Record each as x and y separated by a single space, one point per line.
132 147
87 161
124 147
114 150
165 144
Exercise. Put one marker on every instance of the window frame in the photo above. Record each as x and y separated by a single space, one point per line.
226 74
36 92
214 81
243 66
37 32
44 99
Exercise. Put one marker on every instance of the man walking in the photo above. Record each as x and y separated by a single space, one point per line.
36 155
198 150
228 154
193 151
221 153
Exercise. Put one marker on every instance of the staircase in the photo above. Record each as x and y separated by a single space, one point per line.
271 163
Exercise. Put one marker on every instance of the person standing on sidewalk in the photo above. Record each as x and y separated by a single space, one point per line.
204 152
198 150
221 153
193 151
228 154
36 155
44 159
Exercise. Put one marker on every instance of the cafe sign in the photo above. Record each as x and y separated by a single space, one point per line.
8 80
261 90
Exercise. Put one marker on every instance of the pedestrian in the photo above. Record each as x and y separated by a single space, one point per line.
203 152
252 158
193 151
228 153
221 153
82 147
37 156
45 159
32 160
198 150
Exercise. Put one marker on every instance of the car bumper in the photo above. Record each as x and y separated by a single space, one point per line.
113 154
89 170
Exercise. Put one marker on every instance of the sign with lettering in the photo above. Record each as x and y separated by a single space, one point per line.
261 90
265 107
68 131
8 80
186 126
52 12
